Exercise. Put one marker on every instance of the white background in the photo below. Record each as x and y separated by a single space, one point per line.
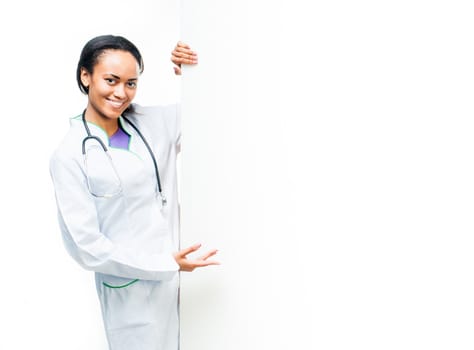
349 126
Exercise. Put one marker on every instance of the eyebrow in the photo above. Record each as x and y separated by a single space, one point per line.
117 77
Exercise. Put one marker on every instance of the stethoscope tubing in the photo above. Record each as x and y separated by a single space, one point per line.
104 147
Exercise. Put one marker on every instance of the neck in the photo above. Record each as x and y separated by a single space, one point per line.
108 124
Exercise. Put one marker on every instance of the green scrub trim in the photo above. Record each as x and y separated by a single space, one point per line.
125 129
79 118
122 286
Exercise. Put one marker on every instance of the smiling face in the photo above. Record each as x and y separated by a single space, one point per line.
112 86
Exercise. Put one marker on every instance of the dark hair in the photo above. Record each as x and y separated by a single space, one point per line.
97 46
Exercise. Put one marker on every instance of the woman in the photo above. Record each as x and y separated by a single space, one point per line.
114 176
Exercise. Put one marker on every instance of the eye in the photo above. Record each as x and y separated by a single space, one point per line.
132 84
110 81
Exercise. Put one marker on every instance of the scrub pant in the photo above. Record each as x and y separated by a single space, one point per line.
139 315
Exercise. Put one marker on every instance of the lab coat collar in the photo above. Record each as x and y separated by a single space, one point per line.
95 129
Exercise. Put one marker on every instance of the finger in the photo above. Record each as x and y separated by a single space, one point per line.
209 254
186 251
178 60
186 55
182 44
179 52
175 59
177 70
183 49
204 263
187 52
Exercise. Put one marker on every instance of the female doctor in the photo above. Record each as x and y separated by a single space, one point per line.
114 176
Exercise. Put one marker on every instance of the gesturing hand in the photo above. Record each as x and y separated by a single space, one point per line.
189 265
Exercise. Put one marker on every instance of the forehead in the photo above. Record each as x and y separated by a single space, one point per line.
118 62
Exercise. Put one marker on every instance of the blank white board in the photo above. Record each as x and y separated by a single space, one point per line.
327 153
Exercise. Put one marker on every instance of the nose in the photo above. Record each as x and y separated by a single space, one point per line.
119 91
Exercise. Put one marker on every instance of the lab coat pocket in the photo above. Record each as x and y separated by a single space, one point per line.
116 282
125 305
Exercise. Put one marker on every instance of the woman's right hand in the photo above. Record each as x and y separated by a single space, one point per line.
182 54
189 265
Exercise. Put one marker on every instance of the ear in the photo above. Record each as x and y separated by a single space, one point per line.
85 77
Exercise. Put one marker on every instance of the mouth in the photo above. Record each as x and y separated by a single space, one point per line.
116 104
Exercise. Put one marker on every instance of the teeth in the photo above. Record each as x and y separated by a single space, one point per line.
116 104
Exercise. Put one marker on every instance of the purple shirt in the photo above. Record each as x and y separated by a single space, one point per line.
120 139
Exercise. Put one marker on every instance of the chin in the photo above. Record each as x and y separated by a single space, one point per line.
114 114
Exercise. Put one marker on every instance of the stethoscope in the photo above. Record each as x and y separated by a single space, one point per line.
96 138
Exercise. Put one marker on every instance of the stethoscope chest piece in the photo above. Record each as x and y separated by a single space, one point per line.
164 201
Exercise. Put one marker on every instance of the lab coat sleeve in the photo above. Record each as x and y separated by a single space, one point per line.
81 232
162 119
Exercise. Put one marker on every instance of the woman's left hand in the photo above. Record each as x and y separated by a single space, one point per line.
182 54
189 265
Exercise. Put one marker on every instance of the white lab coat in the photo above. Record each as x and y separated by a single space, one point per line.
128 240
